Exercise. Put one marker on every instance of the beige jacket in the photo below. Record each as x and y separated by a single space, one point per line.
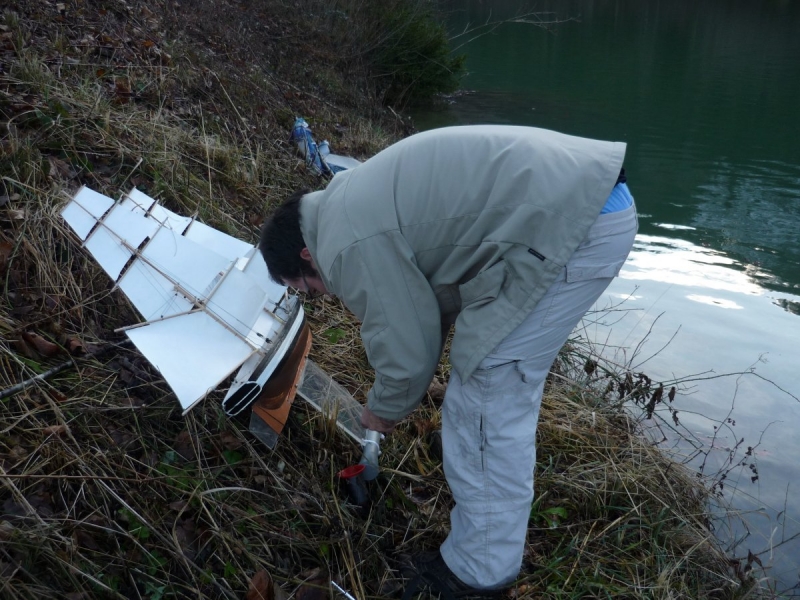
465 225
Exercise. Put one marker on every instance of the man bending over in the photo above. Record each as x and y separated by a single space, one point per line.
509 234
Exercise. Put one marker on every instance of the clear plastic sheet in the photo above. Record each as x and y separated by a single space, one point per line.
332 400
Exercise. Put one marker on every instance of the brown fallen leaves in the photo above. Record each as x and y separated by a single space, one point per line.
263 588
33 346
55 430
184 445
42 346
6 249
315 587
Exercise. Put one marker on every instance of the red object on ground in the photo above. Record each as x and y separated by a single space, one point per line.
351 471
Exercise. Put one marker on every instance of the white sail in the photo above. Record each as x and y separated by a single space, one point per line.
208 353
215 240
256 269
137 201
192 267
115 243
85 209
169 219
152 294
239 302
208 304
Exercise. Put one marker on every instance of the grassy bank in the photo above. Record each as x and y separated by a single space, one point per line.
106 490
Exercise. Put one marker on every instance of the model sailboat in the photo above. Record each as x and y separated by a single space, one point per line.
209 307
208 304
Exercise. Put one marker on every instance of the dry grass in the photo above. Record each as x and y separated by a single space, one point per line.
108 492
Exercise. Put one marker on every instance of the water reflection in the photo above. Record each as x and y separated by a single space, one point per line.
755 209
680 262
720 302
679 309
789 305
674 227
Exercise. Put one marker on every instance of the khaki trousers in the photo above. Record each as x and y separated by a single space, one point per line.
489 421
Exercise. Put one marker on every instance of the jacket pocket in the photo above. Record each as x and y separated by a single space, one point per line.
576 290
583 272
484 287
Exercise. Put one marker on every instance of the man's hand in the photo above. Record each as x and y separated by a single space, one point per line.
370 420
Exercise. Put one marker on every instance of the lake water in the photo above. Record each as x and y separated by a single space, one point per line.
707 96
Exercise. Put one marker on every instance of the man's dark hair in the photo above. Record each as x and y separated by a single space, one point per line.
282 241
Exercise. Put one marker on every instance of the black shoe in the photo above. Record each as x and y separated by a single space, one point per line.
435 444
434 574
